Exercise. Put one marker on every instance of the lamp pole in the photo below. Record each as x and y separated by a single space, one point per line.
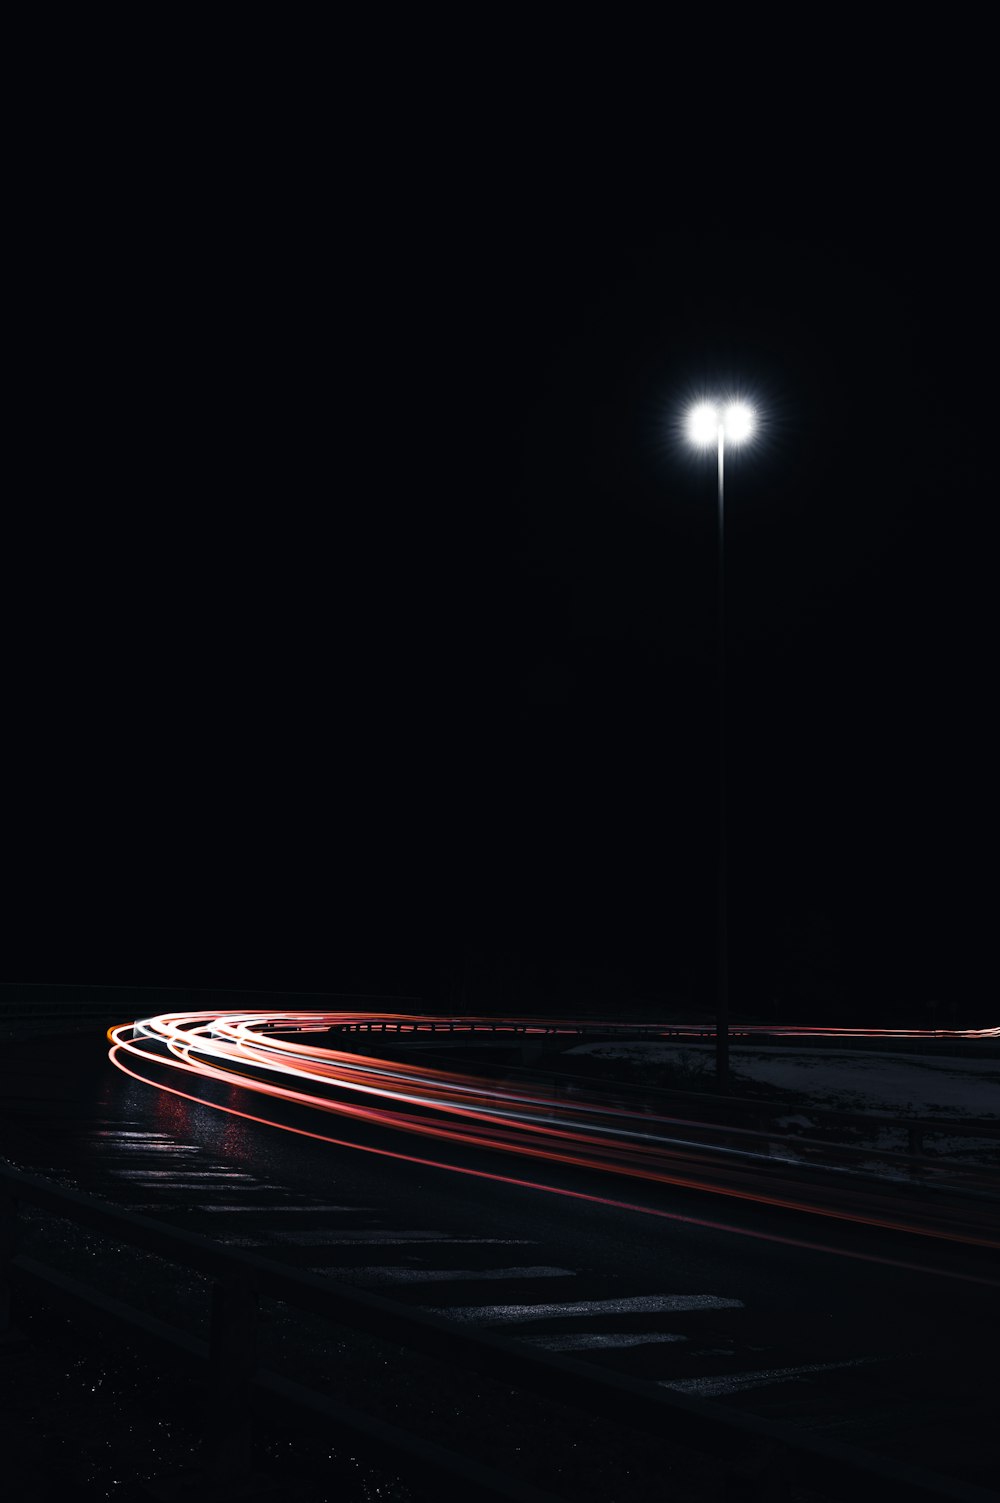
722 935
710 423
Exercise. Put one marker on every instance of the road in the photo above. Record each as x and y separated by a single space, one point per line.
873 1336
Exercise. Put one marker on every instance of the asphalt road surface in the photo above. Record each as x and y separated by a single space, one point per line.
883 1340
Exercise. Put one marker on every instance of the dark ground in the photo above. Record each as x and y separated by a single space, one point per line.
808 1304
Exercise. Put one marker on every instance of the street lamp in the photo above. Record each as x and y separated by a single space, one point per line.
716 424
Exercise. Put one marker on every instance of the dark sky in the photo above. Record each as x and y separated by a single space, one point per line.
361 600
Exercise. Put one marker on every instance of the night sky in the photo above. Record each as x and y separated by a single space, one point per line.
360 595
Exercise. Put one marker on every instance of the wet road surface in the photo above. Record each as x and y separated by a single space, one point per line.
893 1355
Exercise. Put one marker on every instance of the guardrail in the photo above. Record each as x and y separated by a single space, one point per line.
757 1138
756 1125
239 1280
916 1129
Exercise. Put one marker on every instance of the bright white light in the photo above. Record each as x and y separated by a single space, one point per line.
703 423
739 422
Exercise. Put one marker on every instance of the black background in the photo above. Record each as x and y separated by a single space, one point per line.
360 589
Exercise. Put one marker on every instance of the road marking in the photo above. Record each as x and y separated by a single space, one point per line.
154 1207
389 1239
392 1275
135 1150
707 1388
160 1206
644 1304
193 1176
267 1210
582 1341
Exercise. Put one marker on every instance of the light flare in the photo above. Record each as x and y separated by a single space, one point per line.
738 422
704 421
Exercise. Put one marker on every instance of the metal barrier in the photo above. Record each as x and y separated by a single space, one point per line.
744 1125
916 1129
239 1280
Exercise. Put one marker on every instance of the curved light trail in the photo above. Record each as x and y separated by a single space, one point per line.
253 1051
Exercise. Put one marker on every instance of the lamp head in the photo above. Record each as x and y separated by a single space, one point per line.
708 421
703 424
739 423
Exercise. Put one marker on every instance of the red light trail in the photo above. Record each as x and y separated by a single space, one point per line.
250 1051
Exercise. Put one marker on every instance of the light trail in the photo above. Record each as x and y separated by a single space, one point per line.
252 1051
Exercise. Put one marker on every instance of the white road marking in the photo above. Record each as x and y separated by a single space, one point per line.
136 1150
392 1275
268 1210
193 1176
707 1388
388 1239
146 1137
583 1341
644 1304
